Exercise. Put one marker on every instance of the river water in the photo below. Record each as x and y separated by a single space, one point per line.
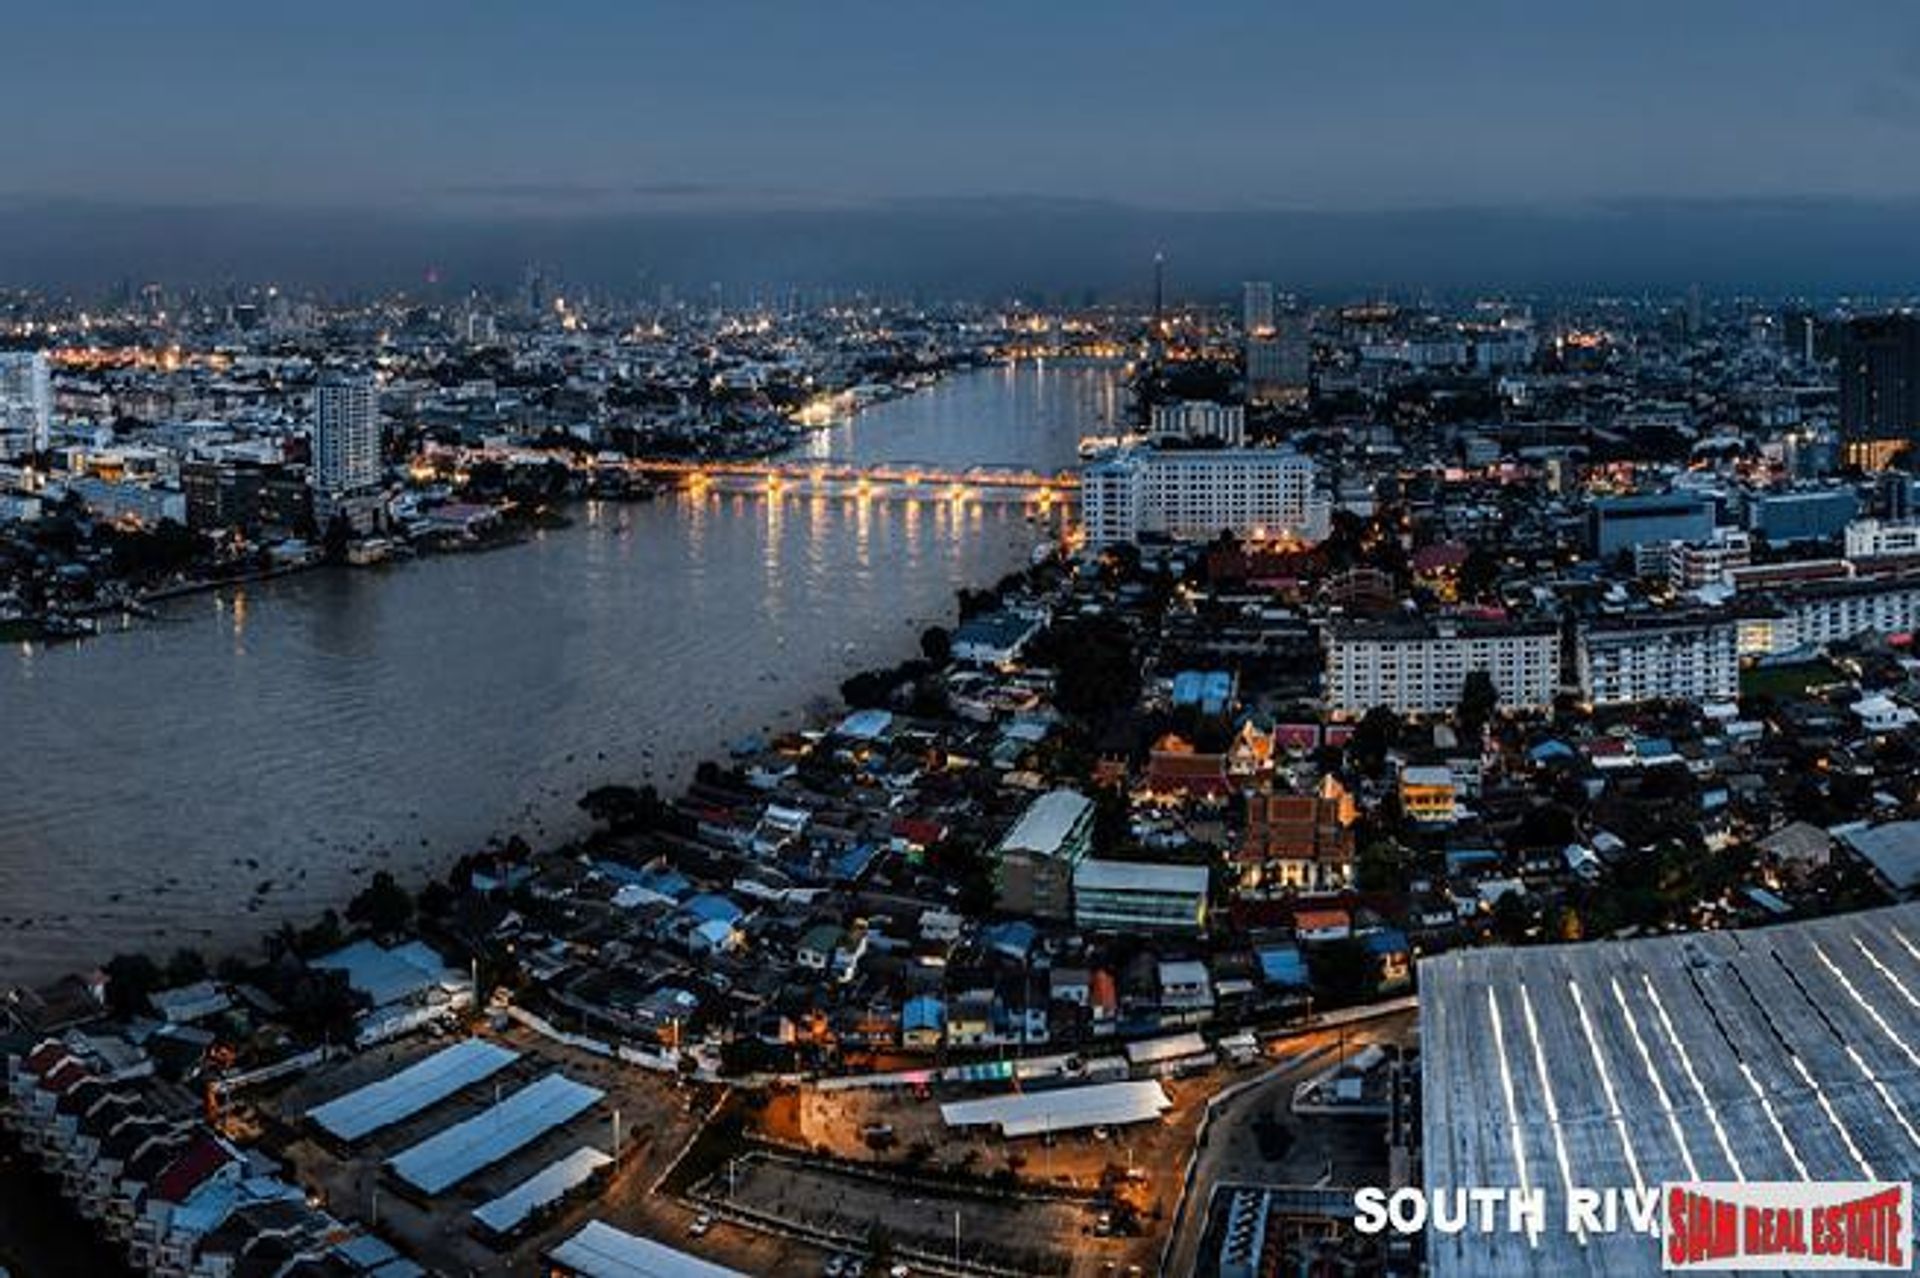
256 754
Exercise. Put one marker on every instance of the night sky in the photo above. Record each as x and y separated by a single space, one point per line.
1379 143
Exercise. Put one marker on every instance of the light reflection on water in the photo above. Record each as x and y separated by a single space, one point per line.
274 745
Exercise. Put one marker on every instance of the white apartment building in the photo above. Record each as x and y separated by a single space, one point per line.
1254 493
1828 612
26 403
1420 667
1659 658
1873 538
1693 564
346 433
1195 419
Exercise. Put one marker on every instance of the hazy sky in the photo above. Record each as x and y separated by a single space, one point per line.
495 114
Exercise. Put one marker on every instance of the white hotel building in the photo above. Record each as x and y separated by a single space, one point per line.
1198 494
1420 667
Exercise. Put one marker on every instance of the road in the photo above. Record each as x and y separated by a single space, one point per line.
1352 1151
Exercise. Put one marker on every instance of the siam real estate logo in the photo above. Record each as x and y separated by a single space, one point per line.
1703 1226
1855 1226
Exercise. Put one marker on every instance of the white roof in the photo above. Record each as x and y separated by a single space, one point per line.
388 976
1061 1109
400 1096
442 1161
601 1251
1183 972
1044 826
509 1211
1138 876
1172 1048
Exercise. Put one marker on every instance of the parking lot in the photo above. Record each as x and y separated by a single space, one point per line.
1031 1236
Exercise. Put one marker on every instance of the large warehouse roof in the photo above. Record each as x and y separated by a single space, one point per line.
399 1097
544 1188
1061 1109
1781 1053
601 1251
444 1160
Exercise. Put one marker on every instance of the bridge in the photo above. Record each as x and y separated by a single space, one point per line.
892 479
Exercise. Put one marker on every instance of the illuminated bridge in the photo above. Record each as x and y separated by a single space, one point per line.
892 479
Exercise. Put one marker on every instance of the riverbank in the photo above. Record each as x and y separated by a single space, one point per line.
312 730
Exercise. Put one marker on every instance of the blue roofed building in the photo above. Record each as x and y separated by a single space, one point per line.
1282 967
923 1021
1209 691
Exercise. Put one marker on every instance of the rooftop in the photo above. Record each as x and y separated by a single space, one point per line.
1780 1053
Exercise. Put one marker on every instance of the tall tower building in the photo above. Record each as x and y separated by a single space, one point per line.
1879 388
26 403
346 434
1256 308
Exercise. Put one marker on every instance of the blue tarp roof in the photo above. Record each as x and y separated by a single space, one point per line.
852 863
669 883
1282 965
1211 690
711 906
1013 939
1387 941
923 1011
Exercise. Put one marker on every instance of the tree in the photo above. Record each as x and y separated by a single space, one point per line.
338 535
1512 917
1344 972
1479 700
936 645
383 907
1479 573
185 967
1377 733
130 978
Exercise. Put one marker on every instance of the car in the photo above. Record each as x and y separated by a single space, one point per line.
836 1266
701 1224
899 1271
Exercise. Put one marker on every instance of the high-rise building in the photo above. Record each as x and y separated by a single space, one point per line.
26 403
1280 363
1256 307
1879 388
346 434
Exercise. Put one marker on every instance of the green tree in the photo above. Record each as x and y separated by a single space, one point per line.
383 907
130 978
1479 701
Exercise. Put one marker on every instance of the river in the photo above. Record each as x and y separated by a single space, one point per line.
255 754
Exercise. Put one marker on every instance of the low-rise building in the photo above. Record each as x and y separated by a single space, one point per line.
1034 864
1135 896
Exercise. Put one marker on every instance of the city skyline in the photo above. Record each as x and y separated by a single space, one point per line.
993 150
